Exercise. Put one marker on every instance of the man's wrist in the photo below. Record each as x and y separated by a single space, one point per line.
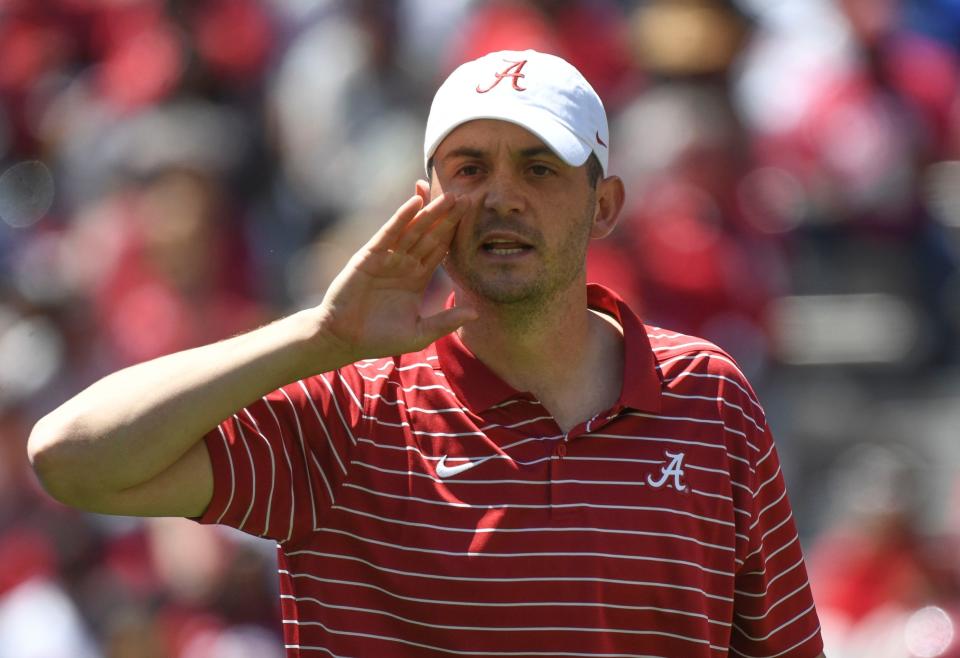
318 348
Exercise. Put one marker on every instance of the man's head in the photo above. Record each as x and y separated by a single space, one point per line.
542 93
525 136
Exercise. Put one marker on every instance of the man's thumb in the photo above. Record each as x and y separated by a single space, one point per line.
446 321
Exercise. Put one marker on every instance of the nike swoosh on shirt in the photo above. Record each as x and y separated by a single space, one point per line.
444 471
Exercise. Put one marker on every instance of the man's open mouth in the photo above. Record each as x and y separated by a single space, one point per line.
505 247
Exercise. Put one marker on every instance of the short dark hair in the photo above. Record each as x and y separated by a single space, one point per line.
594 169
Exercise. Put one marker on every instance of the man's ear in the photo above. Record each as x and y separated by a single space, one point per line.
610 199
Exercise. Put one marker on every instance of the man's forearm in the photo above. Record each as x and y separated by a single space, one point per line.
133 424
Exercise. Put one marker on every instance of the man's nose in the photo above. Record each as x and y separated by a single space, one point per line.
503 194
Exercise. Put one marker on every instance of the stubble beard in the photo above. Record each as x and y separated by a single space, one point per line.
523 293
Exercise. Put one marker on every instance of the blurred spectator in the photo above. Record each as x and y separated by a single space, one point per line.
874 571
180 276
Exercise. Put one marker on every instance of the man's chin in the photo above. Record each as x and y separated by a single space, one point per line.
499 291
503 287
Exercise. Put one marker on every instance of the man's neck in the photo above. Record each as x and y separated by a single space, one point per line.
520 341
559 351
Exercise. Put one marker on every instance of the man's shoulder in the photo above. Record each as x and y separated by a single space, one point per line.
676 353
669 345
694 366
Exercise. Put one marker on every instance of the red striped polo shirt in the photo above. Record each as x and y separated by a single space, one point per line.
423 507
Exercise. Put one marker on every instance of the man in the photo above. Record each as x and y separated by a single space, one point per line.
530 472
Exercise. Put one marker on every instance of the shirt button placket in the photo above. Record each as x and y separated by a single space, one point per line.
556 473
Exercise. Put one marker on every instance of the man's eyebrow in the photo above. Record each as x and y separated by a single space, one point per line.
464 152
535 151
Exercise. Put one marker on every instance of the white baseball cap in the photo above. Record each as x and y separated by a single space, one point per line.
542 93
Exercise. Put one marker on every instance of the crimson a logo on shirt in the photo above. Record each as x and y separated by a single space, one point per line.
672 470
513 72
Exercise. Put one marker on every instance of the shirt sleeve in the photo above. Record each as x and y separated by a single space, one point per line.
278 463
774 613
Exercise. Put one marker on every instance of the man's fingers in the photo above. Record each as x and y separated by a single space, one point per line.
437 209
390 232
441 232
444 322
421 232
434 245
422 189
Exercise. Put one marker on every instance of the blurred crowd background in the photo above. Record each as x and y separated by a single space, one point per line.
173 172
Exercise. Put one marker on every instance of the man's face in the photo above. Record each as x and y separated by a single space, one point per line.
528 238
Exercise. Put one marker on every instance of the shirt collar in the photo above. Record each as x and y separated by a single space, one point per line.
481 388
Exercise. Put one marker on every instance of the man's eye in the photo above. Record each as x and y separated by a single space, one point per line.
540 170
468 170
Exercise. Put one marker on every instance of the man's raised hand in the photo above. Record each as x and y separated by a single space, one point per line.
372 308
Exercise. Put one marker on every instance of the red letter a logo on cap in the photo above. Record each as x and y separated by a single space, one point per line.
512 71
